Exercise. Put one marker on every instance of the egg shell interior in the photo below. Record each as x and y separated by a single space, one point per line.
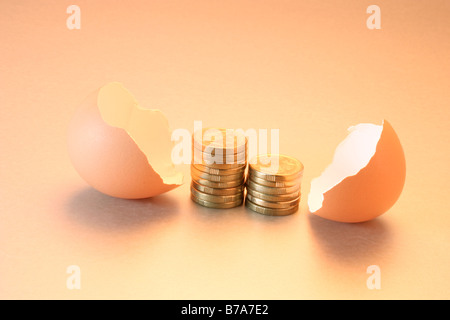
371 190
117 154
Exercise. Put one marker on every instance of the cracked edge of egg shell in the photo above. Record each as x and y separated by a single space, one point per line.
118 108
361 143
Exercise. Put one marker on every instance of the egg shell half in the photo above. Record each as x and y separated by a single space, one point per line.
108 159
374 189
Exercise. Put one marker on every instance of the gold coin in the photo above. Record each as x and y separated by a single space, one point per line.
214 184
271 211
274 205
271 190
211 177
203 157
274 184
274 198
216 199
217 165
209 139
207 159
218 192
276 167
223 166
219 153
219 172
225 205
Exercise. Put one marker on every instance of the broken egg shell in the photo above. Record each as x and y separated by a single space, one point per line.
108 159
374 189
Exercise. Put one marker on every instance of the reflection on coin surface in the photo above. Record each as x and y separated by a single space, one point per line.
276 167
225 184
217 191
203 157
274 184
219 172
209 204
224 166
220 138
270 211
274 198
274 205
195 173
271 190
216 199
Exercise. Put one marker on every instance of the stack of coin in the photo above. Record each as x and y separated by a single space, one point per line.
219 161
273 185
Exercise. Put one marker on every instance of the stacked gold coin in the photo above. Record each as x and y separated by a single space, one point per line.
273 185
219 161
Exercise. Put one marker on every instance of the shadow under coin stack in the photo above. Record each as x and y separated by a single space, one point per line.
219 161
273 185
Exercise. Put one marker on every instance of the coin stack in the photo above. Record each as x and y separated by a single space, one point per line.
218 168
273 185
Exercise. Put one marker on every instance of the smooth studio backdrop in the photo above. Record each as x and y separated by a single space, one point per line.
308 68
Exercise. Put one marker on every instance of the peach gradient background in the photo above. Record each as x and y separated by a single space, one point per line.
309 68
